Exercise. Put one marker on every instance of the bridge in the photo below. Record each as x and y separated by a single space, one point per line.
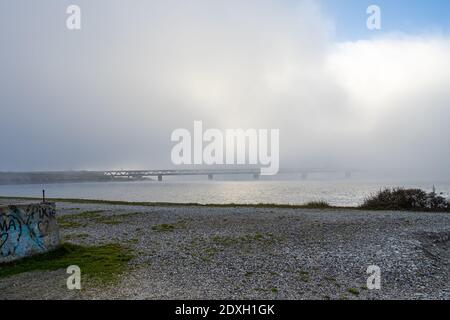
210 173
100 176
139 174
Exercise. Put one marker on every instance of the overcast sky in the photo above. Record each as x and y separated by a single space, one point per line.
109 95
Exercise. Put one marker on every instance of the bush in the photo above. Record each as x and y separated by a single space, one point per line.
317 205
407 200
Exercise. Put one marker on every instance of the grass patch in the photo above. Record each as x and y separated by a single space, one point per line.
81 236
82 219
73 221
68 223
103 264
133 241
304 275
170 204
353 291
114 218
166 227
208 254
88 214
333 281
206 251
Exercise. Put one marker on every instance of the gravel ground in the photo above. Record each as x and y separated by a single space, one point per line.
256 253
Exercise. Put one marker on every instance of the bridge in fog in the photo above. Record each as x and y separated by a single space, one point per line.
100 176
139 174
254 172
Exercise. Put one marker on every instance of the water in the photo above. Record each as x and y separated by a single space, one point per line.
335 192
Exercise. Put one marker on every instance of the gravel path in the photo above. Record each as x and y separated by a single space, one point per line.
256 253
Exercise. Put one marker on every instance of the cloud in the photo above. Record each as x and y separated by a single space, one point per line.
399 88
110 95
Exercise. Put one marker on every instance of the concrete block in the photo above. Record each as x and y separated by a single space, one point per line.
26 230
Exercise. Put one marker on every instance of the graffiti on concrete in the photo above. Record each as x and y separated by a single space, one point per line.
26 230
10 230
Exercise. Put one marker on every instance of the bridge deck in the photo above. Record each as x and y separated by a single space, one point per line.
255 172
186 172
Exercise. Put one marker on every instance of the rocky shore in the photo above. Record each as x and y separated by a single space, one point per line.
192 252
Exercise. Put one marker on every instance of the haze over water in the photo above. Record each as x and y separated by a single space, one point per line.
110 94
335 192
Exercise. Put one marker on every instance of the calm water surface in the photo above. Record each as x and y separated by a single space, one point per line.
339 192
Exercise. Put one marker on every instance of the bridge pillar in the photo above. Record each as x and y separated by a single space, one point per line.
210 177
348 174
160 177
256 176
304 175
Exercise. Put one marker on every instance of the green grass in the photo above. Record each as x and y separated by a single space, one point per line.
114 218
72 221
312 205
99 263
333 281
82 219
81 236
166 227
208 254
69 224
304 275
207 249
88 214
353 291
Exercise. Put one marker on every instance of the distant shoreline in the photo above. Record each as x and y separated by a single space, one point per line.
22 178
311 205
21 183
176 204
